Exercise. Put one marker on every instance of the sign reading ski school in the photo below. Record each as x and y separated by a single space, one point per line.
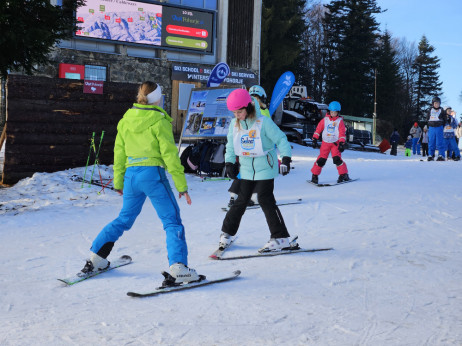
146 23
208 116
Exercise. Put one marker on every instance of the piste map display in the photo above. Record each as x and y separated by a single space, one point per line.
147 24
208 115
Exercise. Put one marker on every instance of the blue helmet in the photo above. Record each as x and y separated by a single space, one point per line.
335 106
257 90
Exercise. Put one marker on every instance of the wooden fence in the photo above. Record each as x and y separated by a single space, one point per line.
50 121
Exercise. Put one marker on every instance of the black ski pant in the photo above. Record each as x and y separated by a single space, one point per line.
234 188
264 190
424 149
394 148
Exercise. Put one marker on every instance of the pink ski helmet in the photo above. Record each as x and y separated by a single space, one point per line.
239 98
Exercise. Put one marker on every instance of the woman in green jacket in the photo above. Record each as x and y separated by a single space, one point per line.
144 149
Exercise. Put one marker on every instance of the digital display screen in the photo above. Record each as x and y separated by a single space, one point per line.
147 24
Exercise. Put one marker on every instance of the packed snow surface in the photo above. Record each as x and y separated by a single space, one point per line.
393 278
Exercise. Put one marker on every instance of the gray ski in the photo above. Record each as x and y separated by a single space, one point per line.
188 286
79 277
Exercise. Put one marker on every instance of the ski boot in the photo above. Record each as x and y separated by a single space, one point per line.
457 158
314 179
181 275
95 263
440 158
431 158
225 240
343 177
279 244
253 200
231 202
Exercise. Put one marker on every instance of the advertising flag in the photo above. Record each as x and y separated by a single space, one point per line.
281 89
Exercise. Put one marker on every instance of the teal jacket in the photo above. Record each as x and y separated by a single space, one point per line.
262 167
145 138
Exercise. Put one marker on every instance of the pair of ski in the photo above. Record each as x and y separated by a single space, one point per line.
219 253
100 183
171 287
333 184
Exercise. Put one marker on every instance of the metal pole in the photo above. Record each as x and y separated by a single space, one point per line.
374 117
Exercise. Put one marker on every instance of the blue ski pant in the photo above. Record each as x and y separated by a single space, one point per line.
435 141
416 146
452 147
139 183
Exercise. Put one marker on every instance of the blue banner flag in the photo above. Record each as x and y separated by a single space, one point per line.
218 74
281 89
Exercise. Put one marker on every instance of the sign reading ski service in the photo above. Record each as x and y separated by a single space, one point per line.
145 23
208 115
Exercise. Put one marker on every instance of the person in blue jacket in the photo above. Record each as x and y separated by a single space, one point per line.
253 139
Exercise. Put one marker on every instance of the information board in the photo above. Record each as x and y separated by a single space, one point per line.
147 24
207 116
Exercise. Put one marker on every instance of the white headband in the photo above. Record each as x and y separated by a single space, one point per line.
155 96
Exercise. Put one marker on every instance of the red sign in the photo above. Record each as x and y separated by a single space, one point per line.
71 71
93 87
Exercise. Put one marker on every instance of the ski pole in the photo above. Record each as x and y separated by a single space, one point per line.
92 141
96 155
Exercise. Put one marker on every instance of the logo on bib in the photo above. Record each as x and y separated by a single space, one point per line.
252 134
331 128
247 143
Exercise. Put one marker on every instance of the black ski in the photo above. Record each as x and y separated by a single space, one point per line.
333 184
269 254
79 277
169 289
93 182
257 206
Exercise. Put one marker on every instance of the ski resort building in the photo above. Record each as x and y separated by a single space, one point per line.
92 78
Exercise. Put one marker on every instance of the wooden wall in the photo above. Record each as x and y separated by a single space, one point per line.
49 123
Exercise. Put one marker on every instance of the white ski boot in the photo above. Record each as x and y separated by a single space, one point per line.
225 240
95 263
279 244
183 274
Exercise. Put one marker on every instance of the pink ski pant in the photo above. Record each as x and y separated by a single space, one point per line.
327 148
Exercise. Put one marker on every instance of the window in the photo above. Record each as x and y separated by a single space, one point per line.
93 72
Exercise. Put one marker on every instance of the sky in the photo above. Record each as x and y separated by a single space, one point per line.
441 22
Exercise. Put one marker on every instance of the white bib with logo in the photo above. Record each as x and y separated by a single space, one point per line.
248 142
448 129
331 133
434 114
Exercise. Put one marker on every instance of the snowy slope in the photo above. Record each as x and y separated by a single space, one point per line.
394 277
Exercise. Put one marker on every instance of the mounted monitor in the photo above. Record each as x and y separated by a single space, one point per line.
148 24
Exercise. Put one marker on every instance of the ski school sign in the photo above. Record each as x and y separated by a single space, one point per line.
194 73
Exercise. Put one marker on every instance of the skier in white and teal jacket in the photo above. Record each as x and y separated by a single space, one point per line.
252 138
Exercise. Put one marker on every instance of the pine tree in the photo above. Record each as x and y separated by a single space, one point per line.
389 88
352 32
30 29
313 56
281 30
427 82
